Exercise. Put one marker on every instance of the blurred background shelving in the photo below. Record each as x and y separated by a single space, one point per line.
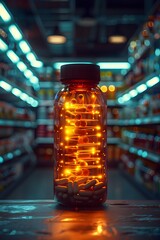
130 82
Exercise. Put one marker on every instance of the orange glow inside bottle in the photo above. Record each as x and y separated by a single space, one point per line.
80 138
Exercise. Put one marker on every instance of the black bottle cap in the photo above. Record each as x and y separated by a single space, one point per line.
80 73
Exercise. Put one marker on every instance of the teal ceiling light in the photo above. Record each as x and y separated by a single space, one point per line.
3 46
12 56
15 32
4 13
6 86
24 47
114 65
21 66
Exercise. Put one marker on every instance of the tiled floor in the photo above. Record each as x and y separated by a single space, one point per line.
39 186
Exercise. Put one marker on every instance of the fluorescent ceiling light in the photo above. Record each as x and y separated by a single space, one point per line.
126 97
141 88
3 46
37 64
28 73
114 65
16 92
120 100
133 93
34 80
56 39
24 47
15 32
5 86
59 64
31 57
117 39
153 81
12 56
24 96
35 103
30 100
22 67
4 13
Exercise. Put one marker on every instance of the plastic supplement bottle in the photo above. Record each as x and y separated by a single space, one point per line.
80 138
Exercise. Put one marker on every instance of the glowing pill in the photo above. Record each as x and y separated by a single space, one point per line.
90 184
99 185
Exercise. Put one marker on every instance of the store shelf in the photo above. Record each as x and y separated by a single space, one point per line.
46 84
45 122
149 83
14 154
114 103
46 103
44 140
15 123
108 83
13 92
113 140
144 153
14 181
140 121
113 122
134 122
147 192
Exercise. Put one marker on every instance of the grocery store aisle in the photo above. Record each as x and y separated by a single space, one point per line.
39 186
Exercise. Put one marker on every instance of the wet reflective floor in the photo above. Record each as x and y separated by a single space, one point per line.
39 186
47 221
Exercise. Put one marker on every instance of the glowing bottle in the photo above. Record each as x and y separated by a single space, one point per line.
80 138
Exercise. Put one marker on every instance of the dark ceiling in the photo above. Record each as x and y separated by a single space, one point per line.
37 19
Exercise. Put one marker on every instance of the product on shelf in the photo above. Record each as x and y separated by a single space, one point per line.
10 112
143 171
145 138
16 141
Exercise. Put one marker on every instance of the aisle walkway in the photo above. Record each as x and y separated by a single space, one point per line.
39 186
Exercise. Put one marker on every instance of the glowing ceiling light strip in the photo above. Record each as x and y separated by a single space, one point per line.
22 67
4 13
12 56
153 81
126 97
18 93
59 64
114 65
34 80
5 86
3 46
31 57
15 32
24 96
24 47
141 88
133 93
37 64
28 73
